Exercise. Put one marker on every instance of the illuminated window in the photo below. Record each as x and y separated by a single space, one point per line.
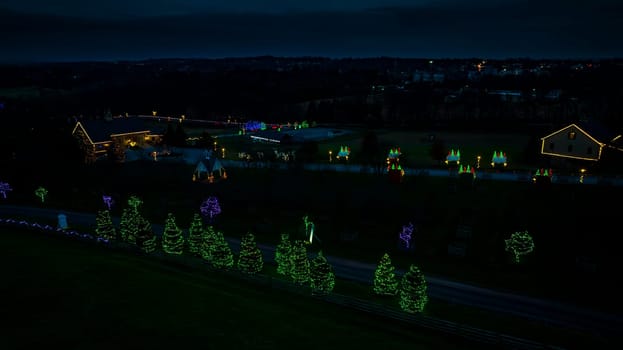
551 146
571 135
570 148
589 150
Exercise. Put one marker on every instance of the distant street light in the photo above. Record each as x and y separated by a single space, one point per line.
330 156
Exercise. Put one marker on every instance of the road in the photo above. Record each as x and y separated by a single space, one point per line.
546 311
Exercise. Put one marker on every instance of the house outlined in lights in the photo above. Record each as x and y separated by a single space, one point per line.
99 136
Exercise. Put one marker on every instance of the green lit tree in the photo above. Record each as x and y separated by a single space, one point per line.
221 255
208 240
321 275
172 238
519 245
385 281
42 193
145 238
412 291
195 234
282 255
134 202
104 227
250 259
299 261
128 226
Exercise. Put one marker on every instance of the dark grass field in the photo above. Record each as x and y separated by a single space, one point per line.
58 292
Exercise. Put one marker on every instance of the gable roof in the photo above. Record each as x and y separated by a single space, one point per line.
100 130
582 130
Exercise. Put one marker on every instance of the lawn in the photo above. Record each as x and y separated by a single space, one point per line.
75 294
563 219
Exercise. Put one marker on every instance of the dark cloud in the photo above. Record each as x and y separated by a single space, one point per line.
526 29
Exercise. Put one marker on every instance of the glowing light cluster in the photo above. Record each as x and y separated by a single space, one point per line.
344 152
453 157
499 158
4 188
254 125
394 153
467 170
394 169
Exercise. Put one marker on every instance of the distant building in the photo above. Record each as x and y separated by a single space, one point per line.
103 137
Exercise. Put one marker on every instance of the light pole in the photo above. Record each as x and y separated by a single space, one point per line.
330 156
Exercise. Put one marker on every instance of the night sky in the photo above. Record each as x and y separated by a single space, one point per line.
69 30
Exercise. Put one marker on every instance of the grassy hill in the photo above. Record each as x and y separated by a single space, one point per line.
63 292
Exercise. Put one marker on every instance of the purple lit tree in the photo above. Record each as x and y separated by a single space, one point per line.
406 236
210 208
107 201
4 188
